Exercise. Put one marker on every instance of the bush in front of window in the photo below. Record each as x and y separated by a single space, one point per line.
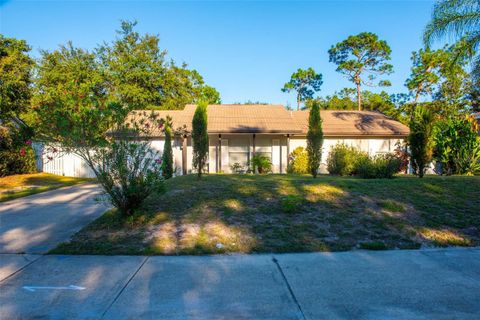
349 161
298 161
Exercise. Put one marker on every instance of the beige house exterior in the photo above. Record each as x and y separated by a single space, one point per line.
238 132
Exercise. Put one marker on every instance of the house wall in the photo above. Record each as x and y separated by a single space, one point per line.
239 148
235 148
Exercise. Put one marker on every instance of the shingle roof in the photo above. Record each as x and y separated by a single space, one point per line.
353 123
277 119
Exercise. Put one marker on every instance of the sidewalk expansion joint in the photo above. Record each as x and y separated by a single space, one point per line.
289 288
124 287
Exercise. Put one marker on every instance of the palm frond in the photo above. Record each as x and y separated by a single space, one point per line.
455 18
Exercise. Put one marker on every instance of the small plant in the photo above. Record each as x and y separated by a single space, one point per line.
261 163
237 168
298 161
291 203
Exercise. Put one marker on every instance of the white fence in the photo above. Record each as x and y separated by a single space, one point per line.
63 164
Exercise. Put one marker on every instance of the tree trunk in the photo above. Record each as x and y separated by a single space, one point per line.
359 96
298 102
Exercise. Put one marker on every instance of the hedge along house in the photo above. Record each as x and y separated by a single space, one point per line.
239 132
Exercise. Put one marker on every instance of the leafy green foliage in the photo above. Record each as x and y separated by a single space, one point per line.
382 166
16 152
342 158
390 105
457 145
261 163
442 75
346 160
129 172
362 54
298 161
71 104
305 83
15 77
200 138
459 20
420 139
167 156
314 139
210 95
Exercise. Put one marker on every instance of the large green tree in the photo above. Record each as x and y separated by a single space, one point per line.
459 20
140 76
72 104
15 77
305 83
442 78
362 55
314 138
200 138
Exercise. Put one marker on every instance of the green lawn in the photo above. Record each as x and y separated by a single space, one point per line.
21 185
288 213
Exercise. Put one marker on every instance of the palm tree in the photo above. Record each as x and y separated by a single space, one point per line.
459 20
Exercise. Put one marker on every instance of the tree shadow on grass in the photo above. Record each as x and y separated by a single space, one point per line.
278 213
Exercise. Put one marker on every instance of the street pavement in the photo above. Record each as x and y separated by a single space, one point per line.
399 284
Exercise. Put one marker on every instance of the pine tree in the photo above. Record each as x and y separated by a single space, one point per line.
167 157
314 138
200 138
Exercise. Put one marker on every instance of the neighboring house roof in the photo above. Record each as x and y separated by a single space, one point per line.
353 123
276 119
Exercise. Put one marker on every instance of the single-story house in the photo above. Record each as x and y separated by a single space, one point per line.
238 132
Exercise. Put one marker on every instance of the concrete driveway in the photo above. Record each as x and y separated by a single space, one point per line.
423 284
37 223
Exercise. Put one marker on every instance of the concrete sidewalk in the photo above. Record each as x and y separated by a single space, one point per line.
422 284
37 223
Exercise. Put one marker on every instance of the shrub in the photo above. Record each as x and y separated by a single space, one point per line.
298 161
457 145
261 163
420 139
16 152
129 171
381 166
364 167
314 138
386 165
167 156
344 160
341 159
200 138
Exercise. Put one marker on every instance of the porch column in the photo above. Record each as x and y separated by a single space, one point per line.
219 154
288 149
184 155
253 144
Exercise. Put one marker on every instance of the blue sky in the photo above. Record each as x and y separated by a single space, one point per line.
246 49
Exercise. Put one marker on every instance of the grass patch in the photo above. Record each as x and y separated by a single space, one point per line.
290 213
392 206
374 245
22 185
